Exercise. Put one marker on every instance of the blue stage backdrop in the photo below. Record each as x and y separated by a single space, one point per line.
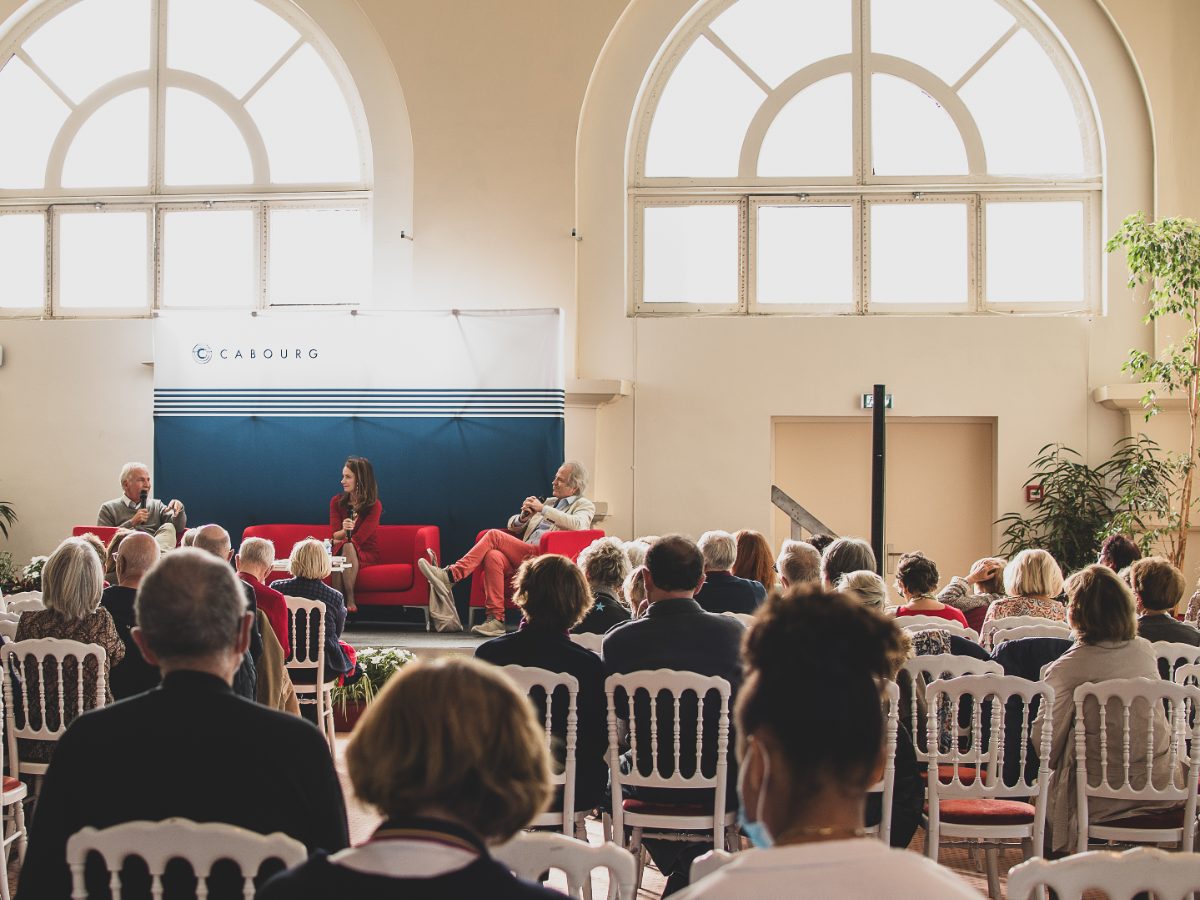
461 415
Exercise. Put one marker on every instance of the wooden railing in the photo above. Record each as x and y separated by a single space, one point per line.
802 520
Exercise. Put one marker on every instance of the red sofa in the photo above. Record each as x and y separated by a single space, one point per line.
564 543
393 582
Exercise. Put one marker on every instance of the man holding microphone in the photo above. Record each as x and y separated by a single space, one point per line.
135 509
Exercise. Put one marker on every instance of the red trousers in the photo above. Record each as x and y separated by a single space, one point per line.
498 554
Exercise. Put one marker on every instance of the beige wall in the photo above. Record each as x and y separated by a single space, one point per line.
519 115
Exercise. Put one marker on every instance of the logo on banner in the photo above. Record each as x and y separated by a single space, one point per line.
202 353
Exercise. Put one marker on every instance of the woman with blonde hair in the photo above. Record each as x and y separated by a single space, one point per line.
451 755
754 559
310 565
1033 582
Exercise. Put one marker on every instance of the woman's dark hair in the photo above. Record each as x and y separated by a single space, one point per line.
754 559
675 563
364 485
1118 551
821 541
917 573
835 654
552 591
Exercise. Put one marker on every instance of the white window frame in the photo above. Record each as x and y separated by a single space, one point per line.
364 208
94 208
199 206
42 309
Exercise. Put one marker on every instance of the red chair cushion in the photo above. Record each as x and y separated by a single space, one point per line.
985 812
385 577
1167 818
663 808
10 784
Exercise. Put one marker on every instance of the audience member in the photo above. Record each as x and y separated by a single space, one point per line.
842 556
821 541
553 595
309 564
866 587
136 555
1158 587
214 539
634 591
1101 613
1033 581
753 560
1118 552
72 582
93 541
191 748
798 563
136 509
722 591
803 794
916 580
499 551
677 633
606 567
972 595
189 537
450 753
110 554
254 562
636 552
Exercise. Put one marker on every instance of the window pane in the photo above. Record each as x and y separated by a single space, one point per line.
306 124
203 146
233 42
102 262
778 37
318 256
702 116
22 260
813 134
690 254
919 253
1035 252
805 254
33 115
208 258
112 147
911 134
946 37
91 43
1024 112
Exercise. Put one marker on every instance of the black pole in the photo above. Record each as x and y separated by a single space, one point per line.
878 456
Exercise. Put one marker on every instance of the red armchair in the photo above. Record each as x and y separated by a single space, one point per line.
564 543
104 532
392 582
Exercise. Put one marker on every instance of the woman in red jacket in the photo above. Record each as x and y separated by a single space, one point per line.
354 519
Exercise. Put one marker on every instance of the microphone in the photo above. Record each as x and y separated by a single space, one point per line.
142 499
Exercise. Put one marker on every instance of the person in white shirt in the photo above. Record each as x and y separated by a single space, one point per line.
810 742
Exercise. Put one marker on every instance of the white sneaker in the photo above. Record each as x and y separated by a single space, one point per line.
439 579
490 628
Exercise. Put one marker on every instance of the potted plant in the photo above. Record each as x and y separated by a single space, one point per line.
378 664
8 516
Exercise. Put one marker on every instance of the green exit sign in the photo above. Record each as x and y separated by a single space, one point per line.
868 401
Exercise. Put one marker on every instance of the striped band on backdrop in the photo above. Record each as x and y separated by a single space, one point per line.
461 414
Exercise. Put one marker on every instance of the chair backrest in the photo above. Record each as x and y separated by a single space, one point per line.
924 669
529 854
24 602
9 616
1187 673
920 623
301 613
1013 622
593 642
707 863
1119 876
8 629
1172 655
543 687
974 765
34 675
1133 720
887 783
1044 629
200 844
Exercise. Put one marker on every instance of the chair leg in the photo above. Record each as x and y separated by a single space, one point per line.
22 833
993 873
635 847
606 827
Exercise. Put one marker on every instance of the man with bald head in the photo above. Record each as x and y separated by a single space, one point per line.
188 748
136 555
214 539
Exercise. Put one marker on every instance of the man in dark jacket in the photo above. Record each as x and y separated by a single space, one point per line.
723 591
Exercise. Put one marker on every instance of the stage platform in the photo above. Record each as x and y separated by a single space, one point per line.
425 644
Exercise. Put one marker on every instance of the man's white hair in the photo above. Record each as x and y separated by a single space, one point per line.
719 550
257 551
579 477
129 468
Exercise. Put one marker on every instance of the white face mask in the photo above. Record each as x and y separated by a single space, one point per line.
756 831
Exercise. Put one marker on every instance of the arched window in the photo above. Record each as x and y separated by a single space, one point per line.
864 156
179 154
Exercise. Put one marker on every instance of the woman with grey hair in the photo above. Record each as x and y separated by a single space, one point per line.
845 555
866 587
606 567
72 581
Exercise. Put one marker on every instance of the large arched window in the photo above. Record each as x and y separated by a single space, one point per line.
178 154
864 156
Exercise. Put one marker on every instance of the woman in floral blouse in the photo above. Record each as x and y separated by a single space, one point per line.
1033 582
72 581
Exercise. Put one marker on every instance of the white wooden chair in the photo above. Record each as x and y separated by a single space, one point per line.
8 629
529 854
887 784
1118 876
9 616
591 642
970 797
985 633
546 684
26 604
301 613
12 802
201 844
921 623
1172 655
1017 632
922 670
705 865
1188 673
668 821
40 658
1127 712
